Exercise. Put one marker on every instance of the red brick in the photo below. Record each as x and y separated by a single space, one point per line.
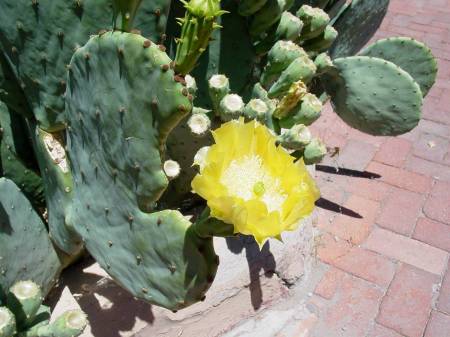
330 248
368 265
400 211
352 311
433 233
437 207
439 325
435 110
330 282
381 331
354 230
407 303
358 135
393 152
407 250
372 189
356 155
428 168
444 297
431 147
401 178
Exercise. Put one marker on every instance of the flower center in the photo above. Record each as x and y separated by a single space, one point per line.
247 179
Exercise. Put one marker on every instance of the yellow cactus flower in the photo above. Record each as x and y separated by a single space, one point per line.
250 182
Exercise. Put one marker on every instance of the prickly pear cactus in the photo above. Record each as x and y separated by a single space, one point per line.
116 124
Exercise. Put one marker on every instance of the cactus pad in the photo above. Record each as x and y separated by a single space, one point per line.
58 186
123 100
38 40
356 25
15 153
26 251
411 55
373 95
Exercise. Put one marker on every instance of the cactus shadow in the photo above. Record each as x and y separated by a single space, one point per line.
110 309
258 261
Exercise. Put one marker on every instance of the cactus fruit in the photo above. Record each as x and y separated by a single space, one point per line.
289 29
69 324
306 112
411 55
191 85
321 42
322 62
356 25
282 54
290 100
25 316
301 69
172 169
315 21
219 87
268 15
153 254
231 107
7 323
24 299
256 109
259 92
199 123
373 95
23 227
295 138
197 27
314 152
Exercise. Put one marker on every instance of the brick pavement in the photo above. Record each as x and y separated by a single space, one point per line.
389 270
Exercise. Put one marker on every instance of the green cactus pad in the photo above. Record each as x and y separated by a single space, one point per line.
58 185
373 95
122 102
411 55
356 25
39 38
27 253
14 148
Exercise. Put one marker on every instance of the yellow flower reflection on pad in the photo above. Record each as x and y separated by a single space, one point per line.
250 182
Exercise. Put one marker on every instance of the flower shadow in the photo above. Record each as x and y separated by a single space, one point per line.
258 260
